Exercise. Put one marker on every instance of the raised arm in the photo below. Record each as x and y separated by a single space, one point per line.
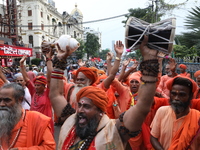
133 68
57 98
134 117
124 65
119 48
2 76
23 69
109 58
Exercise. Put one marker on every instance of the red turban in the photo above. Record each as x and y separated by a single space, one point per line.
97 95
182 66
197 73
40 80
74 72
171 81
89 73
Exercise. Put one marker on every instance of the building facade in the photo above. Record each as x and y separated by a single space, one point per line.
39 20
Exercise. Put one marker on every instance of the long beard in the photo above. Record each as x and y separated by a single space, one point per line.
76 89
89 129
8 119
179 106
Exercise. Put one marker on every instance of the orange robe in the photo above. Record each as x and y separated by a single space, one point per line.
35 132
185 74
173 133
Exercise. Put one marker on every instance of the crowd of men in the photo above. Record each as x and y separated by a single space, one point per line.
135 108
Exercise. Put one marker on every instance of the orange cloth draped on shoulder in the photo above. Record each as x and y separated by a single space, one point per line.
97 95
89 73
35 132
185 74
195 104
1 82
186 132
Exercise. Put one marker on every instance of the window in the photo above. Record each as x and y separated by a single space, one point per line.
20 16
30 26
42 26
30 38
41 14
29 12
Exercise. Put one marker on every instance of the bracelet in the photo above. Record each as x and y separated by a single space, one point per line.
60 64
48 59
57 74
144 81
151 66
117 58
123 130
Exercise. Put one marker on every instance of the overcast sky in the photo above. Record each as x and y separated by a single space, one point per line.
113 29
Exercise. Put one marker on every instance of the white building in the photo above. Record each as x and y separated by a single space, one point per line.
92 31
39 20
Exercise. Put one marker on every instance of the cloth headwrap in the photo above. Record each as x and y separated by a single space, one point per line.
171 81
40 80
101 72
134 76
88 73
102 77
97 95
74 72
182 66
197 73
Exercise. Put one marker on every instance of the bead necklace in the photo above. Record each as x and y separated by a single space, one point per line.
16 137
35 99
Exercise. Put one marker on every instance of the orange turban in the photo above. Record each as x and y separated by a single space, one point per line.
182 66
171 81
40 80
89 73
197 73
97 95
74 72
134 76
102 77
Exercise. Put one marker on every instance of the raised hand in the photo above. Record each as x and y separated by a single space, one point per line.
109 56
64 54
146 52
81 63
172 63
135 64
23 59
126 62
119 47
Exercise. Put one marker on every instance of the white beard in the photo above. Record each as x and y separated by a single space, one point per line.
9 117
76 89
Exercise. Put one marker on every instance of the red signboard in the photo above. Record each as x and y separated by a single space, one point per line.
14 51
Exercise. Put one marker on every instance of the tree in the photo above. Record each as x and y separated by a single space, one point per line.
153 12
80 52
92 45
103 54
192 39
35 61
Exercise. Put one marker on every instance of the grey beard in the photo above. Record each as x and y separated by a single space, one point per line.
8 119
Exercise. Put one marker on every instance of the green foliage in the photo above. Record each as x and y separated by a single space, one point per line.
103 53
192 39
92 45
80 52
36 61
182 51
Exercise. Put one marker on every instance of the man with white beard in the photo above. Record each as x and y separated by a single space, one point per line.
20 128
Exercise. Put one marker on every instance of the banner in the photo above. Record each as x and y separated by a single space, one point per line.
14 51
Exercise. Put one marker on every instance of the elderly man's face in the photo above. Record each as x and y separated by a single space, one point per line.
39 88
87 119
10 112
180 98
198 80
134 85
82 79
